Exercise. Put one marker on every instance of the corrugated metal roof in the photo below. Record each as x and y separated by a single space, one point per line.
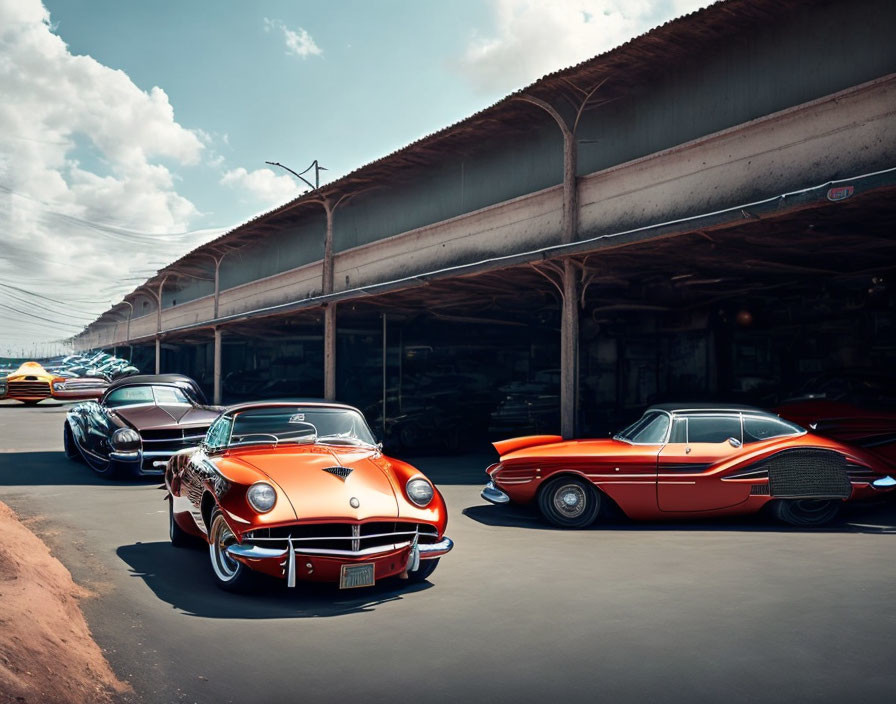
623 68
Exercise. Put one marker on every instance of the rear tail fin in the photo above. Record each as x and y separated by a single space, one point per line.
505 447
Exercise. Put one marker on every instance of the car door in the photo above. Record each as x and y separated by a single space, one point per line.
686 476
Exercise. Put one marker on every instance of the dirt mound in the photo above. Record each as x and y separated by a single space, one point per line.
47 655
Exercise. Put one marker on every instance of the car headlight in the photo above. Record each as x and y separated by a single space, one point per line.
420 492
126 440
58 386
261 497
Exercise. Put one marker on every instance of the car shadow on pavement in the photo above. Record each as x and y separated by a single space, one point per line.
182 578
876 516
52 468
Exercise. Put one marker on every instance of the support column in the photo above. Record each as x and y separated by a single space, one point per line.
330 352
569 319
385 368
216 369
330 309
158 354
569 351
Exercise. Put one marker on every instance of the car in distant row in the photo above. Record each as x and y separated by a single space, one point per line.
688 461
31 384
137 424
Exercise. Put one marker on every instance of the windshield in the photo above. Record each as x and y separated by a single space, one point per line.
649 429
300 424
140 394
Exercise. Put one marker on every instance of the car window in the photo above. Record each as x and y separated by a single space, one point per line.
757 428
218 433
649 429
340 426
707 428
128 396
169 395
679 432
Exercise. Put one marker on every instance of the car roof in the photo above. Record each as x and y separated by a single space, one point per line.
151 379
707 408
165 379
288 402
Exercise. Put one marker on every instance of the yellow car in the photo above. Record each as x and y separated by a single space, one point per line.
31 384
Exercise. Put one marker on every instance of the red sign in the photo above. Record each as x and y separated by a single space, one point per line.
840 193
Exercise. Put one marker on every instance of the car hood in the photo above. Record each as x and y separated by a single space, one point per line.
167 416
30 369
572 449
316 494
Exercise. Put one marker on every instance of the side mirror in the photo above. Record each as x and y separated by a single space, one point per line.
734 442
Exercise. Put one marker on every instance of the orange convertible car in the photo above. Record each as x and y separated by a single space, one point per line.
301 490
684 461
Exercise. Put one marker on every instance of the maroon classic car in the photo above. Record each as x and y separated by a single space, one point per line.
139 422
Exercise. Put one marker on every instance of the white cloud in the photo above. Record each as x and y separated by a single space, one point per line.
84 199
533 38
262 185
298 42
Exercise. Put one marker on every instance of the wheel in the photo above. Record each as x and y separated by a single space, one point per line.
230 575
427 567
569 502
807 512
178 536
71 448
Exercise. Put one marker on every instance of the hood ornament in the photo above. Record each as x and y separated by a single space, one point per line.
354 502
341 472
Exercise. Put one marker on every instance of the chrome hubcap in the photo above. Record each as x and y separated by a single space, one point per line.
225 567
570 501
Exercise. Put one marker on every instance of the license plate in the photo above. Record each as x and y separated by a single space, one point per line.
352 576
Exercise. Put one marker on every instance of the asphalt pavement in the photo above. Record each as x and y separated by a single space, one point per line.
743 610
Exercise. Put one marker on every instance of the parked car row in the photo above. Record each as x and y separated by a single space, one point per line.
71 378
301 489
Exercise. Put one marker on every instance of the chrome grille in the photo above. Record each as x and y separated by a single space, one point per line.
344 538
28 388
812 473
860 473
159 445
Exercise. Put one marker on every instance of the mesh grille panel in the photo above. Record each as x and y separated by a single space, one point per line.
28 388
808 473
341 472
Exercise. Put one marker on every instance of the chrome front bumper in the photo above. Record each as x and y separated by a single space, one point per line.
425 551
494 494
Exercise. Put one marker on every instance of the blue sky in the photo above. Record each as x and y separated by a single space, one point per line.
132 131
388 73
